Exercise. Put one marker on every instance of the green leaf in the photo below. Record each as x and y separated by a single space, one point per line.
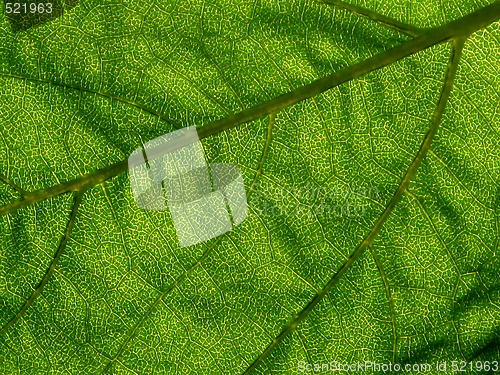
368 138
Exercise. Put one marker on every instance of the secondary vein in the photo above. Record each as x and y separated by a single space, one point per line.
50 270
368 241
178 280
377 17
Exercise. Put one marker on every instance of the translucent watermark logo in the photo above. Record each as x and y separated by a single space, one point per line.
366 366
313 201
172 171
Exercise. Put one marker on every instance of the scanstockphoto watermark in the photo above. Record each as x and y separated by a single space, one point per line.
313 201
335 366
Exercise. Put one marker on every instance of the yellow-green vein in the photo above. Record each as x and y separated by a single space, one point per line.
377 17
368 241
50 270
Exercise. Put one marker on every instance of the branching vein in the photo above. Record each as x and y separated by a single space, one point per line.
377 17
50 270
9 182
388 294
200 260
368 241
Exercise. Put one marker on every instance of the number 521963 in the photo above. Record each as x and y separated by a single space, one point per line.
18 8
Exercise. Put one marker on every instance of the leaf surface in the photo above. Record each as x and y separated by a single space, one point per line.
349 253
